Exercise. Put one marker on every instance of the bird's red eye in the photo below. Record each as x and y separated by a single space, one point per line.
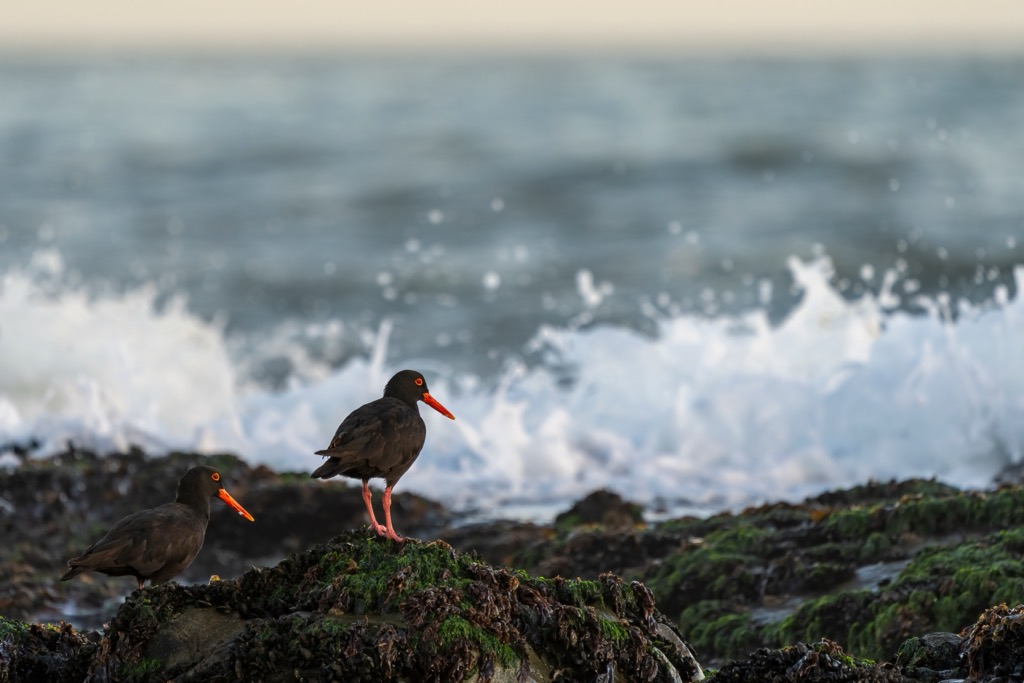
215 476
419 381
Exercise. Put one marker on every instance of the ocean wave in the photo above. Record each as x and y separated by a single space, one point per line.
709 412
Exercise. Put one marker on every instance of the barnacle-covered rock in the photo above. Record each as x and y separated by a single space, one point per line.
34 652
821 662
363 608
994 646
931 657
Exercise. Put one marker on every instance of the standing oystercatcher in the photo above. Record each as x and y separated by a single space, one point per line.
160 543
381 439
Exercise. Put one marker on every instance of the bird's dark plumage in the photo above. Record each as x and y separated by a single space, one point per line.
159 543
381 439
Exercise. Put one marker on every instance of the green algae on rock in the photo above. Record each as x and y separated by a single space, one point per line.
359 608
866 567
785 573
931 658
989 651
941 589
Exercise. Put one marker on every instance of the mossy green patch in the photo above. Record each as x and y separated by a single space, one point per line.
730 633
707 573
577 592
929 514
379 574
141 670
455 629
12 630
614 631
567 522
742 539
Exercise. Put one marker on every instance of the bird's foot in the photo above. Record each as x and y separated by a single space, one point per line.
394 537
379 528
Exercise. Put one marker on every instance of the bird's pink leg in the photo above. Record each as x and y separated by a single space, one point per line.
368 499
387 517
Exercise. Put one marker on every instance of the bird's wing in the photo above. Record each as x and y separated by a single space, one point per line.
177 543
374 440
120 536
142 541
359 432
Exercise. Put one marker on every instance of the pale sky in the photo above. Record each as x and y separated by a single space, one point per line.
520 25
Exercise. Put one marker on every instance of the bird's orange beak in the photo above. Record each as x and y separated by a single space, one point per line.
436 405
226 497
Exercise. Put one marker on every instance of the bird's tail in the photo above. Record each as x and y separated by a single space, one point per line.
73 571
327 470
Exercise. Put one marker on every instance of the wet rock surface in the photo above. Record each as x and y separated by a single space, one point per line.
363 608
993 648
601 508
34 652
867 567
897 572
820 662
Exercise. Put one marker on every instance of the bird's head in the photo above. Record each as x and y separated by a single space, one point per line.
207 480
410 386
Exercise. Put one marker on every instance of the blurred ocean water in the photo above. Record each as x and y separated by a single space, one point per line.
700 281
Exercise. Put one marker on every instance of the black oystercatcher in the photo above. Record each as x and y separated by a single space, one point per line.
382 440
160 543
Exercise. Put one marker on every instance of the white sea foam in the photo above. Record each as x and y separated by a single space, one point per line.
106 371
714 411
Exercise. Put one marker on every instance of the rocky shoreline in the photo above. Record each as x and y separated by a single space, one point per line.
880 582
